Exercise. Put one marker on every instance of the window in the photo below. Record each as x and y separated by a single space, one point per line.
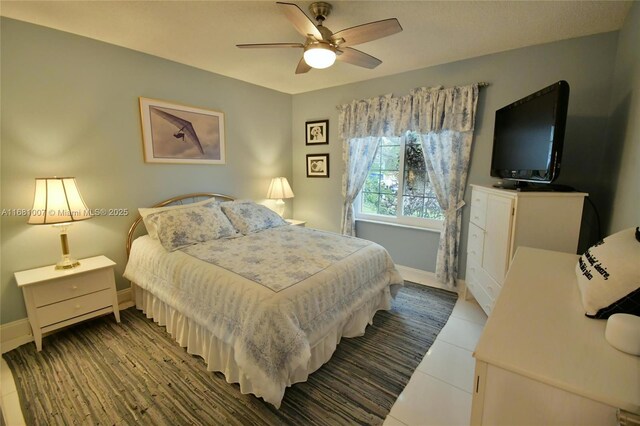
408 200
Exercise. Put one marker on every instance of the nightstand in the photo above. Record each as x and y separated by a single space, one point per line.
297 222
57 298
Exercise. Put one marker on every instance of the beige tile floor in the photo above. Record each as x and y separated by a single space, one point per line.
9 397
438 393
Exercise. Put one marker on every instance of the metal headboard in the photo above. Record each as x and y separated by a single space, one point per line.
180 199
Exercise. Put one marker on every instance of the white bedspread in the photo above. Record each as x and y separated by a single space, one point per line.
295 286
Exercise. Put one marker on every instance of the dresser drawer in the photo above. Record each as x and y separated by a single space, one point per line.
71 308
475 243
483 299
489 285
473 270
72 286
479 208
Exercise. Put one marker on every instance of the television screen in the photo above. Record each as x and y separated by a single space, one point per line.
529 134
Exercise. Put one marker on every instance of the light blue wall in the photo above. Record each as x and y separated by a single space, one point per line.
586 63
624 161
70 108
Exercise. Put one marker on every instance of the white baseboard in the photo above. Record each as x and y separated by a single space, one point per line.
15 334
427 278
18 333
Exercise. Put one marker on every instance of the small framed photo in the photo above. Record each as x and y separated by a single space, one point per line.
318 165
173 133
317 132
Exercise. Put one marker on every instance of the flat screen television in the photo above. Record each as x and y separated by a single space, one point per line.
528 138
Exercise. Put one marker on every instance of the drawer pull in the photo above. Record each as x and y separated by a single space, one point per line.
78 306
74 287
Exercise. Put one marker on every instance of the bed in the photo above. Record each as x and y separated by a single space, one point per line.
265 305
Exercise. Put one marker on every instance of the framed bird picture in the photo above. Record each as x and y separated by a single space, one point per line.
173 133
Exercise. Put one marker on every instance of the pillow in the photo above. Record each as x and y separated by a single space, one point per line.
178 228
248 217
146 212
609 275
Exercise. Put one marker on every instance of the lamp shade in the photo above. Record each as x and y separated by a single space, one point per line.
319 56
279 189
57 200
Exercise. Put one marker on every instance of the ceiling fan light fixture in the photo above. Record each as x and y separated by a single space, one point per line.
319 56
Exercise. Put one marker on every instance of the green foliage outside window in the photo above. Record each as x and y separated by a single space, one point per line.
380 191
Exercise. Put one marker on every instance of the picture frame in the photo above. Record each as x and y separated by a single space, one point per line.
317 132
318 165
179 134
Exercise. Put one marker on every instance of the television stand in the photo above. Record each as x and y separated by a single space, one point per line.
533 187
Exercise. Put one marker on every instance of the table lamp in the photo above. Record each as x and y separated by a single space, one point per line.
58 202
279 189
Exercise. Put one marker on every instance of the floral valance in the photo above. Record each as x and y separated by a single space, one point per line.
423 110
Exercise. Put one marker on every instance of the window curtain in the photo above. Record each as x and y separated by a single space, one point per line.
361 124
445 119
445 122
358 156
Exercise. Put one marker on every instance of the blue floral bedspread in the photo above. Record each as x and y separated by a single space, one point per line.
278 258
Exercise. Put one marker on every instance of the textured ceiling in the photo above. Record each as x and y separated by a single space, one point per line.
203 34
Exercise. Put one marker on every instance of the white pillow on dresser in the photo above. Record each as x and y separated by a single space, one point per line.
609 275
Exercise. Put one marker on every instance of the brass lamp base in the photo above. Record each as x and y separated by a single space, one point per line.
67 262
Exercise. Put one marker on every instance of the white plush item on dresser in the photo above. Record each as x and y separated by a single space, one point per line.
609 275
623 333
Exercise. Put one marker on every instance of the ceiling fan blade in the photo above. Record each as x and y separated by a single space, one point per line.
368 32
356 57
302 67
268 45
303 24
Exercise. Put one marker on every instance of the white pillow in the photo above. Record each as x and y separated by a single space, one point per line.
178 228
609 275
248 217
146 211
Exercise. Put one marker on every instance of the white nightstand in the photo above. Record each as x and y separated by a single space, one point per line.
297 222
57 298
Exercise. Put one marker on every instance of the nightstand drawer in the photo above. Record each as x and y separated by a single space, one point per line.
72 286
67 309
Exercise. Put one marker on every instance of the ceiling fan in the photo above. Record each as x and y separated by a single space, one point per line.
322 47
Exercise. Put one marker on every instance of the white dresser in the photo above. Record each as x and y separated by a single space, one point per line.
540 361
502 220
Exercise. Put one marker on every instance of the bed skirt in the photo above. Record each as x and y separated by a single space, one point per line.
219 356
